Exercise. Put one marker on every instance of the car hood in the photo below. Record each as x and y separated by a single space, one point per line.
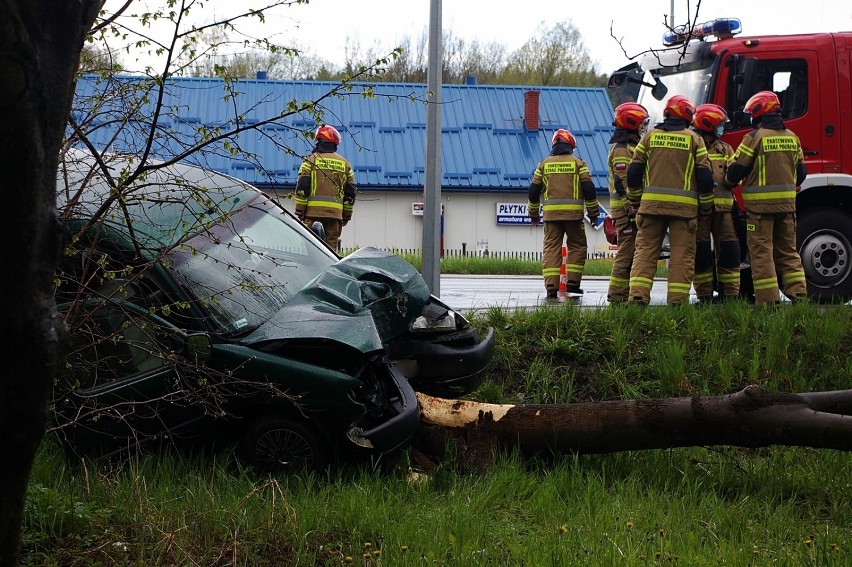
364 300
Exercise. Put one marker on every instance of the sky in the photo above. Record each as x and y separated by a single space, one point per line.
323 27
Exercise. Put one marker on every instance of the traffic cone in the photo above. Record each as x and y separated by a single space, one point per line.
563 275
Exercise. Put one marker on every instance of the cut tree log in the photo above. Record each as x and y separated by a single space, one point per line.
753 417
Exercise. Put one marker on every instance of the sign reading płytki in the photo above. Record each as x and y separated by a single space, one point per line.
512 213
516 213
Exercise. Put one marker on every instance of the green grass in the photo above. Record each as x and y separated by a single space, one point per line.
693 506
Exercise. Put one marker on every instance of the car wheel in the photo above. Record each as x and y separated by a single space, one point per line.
282 444
825 246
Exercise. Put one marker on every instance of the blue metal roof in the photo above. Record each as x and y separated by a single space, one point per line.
484 143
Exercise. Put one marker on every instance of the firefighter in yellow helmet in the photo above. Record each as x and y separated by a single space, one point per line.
770 163
629 121
717 245
325 188
561 188
667 180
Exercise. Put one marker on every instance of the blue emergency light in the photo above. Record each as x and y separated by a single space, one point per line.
721 27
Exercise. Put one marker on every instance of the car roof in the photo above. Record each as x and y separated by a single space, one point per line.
165 204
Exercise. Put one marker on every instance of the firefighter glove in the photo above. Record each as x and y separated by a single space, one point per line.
594 214
535 220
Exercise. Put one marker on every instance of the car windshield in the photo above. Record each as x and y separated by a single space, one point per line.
248 266
692 80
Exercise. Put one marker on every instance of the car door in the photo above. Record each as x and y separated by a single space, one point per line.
121 385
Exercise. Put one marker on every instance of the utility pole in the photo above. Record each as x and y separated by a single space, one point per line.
432 189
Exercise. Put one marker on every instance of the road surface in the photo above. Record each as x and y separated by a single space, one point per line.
474 293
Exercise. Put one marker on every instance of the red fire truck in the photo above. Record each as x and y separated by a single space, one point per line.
812 75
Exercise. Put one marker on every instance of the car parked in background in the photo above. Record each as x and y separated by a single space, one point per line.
199 307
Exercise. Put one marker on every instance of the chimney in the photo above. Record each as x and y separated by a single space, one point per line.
470 80
261 75
531 110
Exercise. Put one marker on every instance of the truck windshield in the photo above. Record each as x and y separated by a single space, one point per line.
692 80
244 269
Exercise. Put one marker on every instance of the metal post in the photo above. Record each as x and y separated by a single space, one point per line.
432 189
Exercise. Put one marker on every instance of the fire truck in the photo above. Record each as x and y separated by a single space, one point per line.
812 75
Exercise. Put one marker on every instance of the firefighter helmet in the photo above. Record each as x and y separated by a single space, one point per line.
762 103
679 106
630 116
563 135
708 117
326 133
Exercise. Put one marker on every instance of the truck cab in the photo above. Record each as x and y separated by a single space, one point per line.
812 75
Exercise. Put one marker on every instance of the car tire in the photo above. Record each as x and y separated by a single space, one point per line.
282 444
825 246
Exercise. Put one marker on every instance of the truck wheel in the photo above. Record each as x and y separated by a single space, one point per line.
281 444
825 245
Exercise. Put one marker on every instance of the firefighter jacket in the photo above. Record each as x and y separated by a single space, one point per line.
720 154
770 163
561 187
325 188
670 171
622 144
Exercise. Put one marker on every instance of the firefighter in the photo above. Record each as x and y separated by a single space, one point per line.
770 163
668 181
561 188
629 122
325 188
717 248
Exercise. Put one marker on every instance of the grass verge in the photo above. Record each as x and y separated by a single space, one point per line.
694 506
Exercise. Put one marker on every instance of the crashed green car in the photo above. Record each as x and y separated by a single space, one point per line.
202 310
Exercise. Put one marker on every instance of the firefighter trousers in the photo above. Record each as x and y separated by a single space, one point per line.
574 234
717 256
773 255
333 228
619 280
649 243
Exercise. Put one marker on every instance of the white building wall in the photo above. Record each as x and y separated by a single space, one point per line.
384 219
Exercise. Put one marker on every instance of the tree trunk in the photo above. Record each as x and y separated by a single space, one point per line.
753 417
40 46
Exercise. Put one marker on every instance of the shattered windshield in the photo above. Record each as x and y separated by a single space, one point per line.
247 267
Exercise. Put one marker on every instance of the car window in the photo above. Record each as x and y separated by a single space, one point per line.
108 347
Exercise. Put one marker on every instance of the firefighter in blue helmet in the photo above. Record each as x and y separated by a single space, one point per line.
560 190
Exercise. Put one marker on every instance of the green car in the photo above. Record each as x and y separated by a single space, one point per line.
201 310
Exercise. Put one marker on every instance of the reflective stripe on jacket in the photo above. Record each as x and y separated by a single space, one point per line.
668 160
562 197
771 158
329 174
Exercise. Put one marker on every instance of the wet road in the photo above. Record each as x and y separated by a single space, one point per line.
473 293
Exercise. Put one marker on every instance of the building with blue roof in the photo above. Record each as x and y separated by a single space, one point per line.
492 138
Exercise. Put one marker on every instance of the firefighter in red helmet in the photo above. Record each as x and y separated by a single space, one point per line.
717 245
561 188
629 121
325 188
770 163
667 179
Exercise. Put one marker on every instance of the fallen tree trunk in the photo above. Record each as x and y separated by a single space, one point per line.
753 417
